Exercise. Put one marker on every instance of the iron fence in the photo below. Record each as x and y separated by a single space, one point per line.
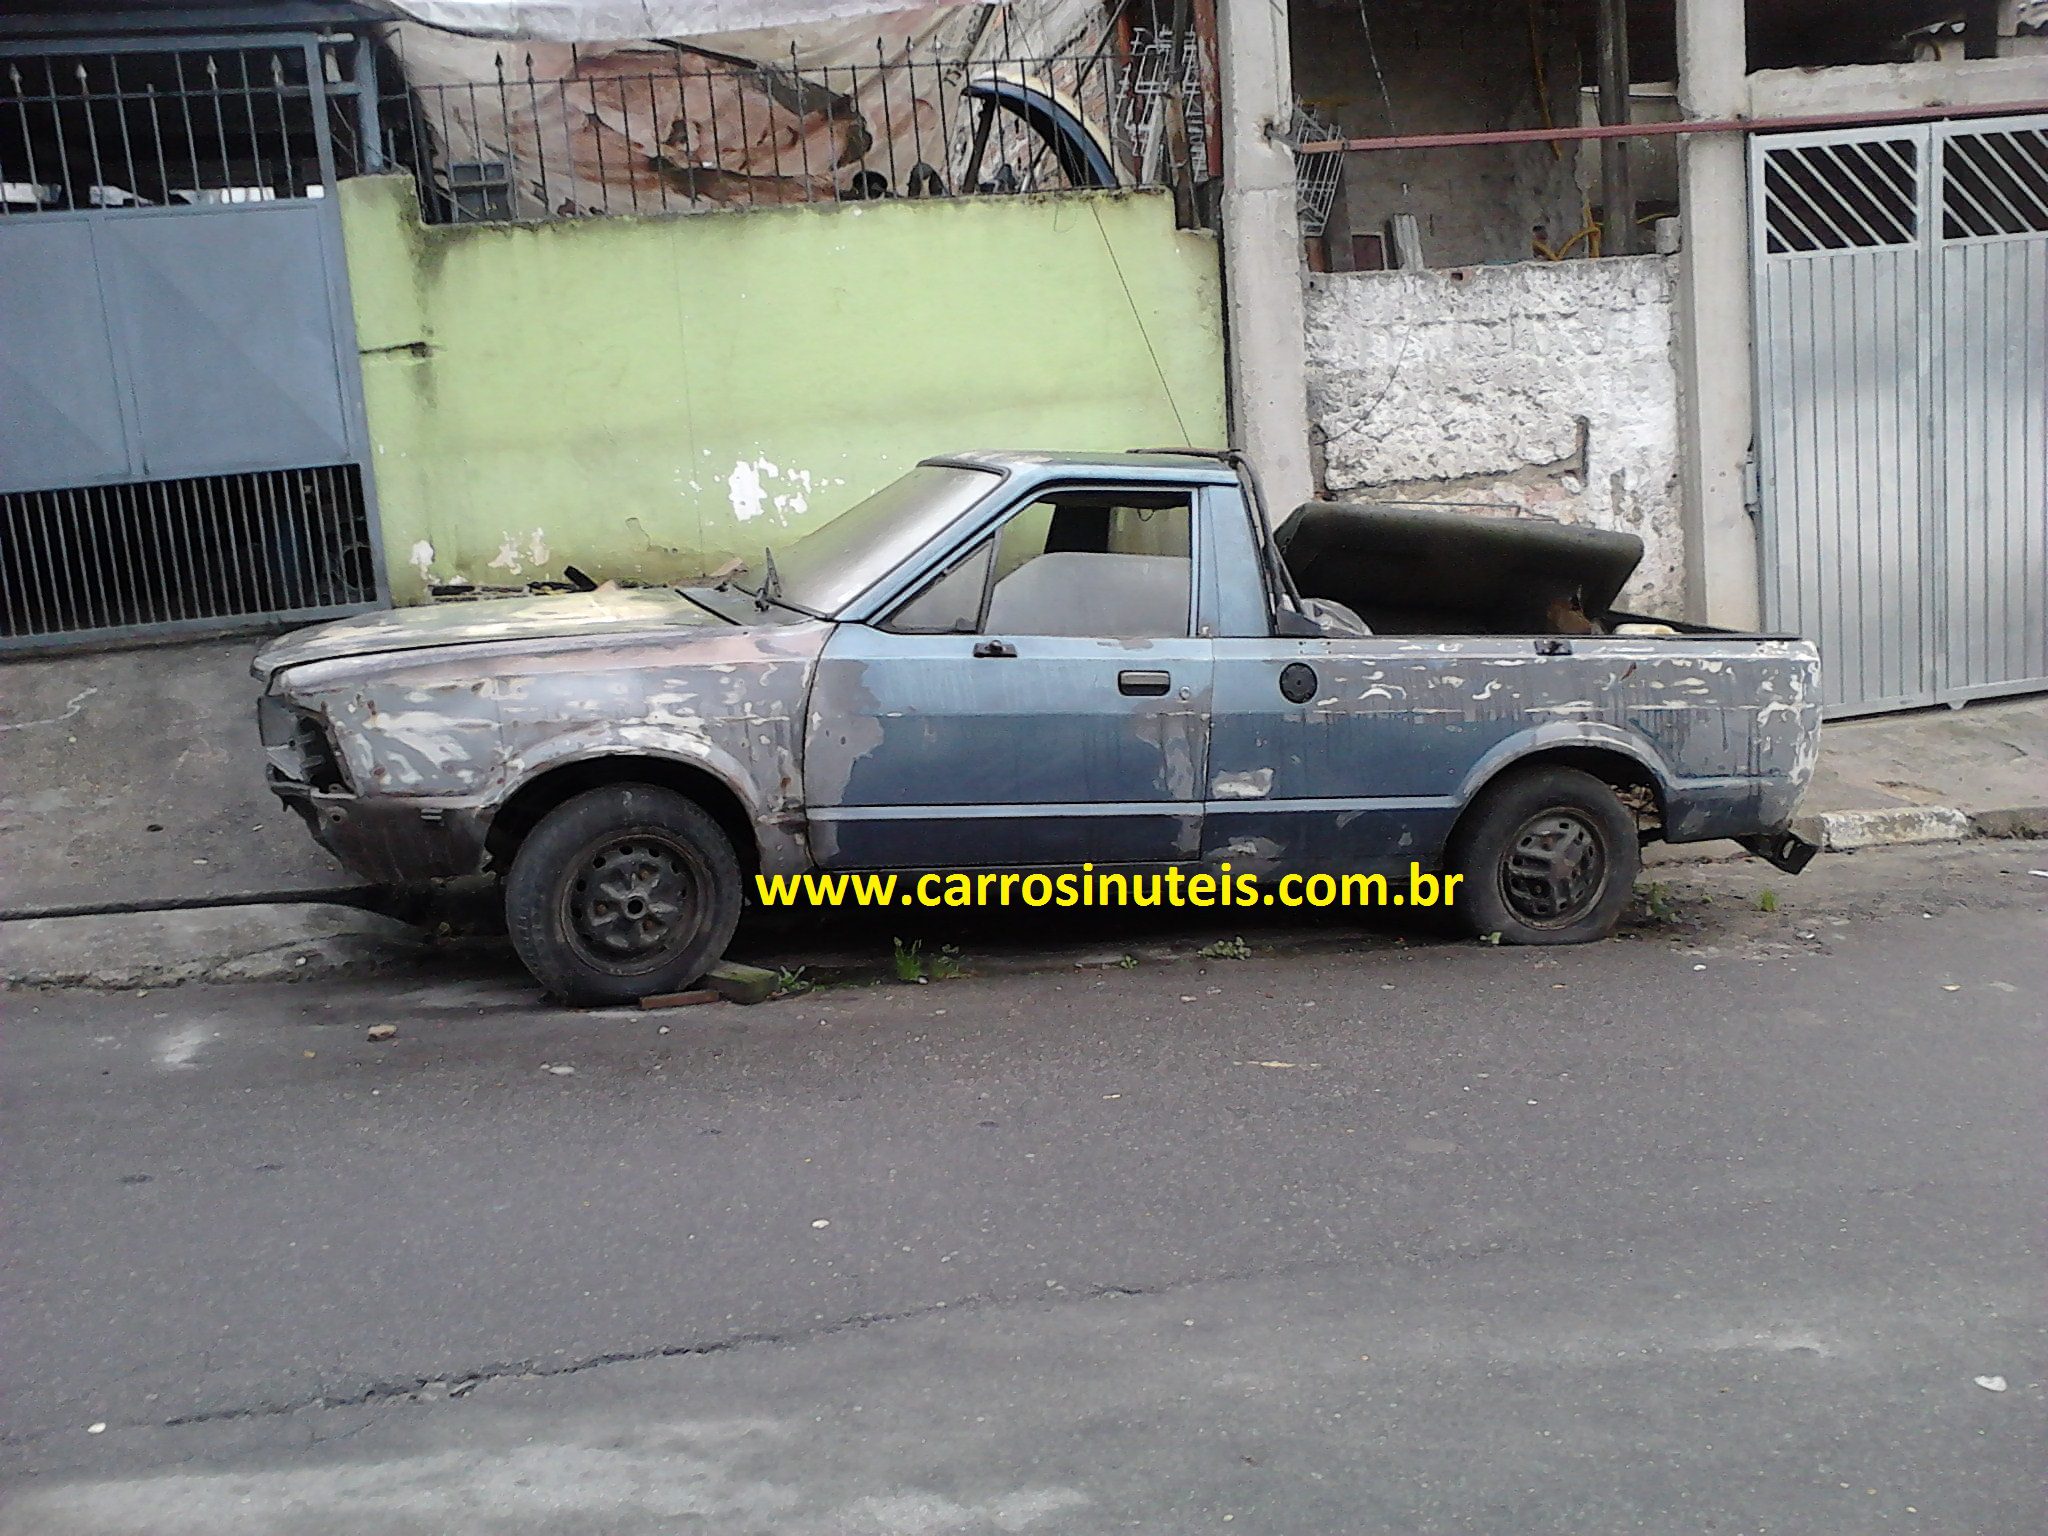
160 129
197 554
646 133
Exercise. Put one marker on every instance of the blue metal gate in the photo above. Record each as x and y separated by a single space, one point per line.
182 444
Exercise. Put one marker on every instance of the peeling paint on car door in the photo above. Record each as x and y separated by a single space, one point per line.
919 752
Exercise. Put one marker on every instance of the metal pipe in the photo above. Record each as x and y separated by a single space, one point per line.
1661 130
369 131
1617 189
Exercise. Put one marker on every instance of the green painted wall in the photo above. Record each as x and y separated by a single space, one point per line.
649 397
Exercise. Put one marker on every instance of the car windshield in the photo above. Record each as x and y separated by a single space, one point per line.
832 565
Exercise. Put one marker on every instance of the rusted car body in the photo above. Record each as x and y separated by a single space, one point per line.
1138 682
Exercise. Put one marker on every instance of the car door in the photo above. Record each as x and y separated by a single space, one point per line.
1042 700
1350 754
1342 752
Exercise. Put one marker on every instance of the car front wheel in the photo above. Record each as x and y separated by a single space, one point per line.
1548 856
621 893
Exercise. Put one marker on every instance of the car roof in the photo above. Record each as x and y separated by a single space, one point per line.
1195 466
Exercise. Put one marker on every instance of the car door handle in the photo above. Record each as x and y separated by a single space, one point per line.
995 648
1143 685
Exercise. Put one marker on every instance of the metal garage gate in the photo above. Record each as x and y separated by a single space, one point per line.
1902 373
182 446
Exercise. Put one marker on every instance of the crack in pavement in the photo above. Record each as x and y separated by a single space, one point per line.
462 1384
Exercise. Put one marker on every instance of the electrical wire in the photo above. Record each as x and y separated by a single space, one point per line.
1372 52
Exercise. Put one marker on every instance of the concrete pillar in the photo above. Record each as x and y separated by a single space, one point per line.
1262 267
1717 419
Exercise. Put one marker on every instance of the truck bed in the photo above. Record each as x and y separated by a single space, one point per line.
1412 570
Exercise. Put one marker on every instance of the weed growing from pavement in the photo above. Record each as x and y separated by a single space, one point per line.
908 959
911 964
1655 903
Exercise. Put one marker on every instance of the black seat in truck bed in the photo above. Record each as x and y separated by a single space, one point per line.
1410 570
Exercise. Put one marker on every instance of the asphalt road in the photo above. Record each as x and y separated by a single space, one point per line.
1717 1227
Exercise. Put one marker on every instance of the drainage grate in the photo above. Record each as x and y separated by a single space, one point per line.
166 557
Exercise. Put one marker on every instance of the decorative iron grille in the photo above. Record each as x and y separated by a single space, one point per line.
1843 196
1994 183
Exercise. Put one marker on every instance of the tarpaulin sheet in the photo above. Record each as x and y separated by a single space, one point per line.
605 21
858 107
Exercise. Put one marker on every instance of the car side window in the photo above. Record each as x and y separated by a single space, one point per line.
1110 564
950 603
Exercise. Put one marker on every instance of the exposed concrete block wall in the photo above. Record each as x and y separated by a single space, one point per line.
1535 389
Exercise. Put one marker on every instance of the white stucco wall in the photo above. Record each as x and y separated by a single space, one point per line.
1541 388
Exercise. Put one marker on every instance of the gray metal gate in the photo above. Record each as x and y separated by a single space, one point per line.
1902 377
182 443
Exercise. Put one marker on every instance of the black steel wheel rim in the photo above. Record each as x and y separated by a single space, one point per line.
1555 869
633 901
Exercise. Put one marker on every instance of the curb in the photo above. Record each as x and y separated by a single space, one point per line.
1845 831
1895 826
2019 822
114 951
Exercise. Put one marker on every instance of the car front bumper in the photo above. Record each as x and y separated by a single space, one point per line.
392 840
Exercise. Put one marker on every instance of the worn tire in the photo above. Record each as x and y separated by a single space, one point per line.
622 892
1548 856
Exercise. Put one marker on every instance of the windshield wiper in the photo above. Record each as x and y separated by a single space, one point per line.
769 593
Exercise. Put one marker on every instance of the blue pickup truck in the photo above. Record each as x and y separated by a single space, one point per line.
1024 661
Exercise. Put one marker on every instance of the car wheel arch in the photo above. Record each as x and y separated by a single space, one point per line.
1631 773
558 782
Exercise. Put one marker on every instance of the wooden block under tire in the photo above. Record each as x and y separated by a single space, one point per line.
738 983
680 999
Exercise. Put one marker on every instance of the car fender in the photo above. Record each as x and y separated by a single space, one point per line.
1553 734
777 828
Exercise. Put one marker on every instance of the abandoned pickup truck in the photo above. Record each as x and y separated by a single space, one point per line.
1027 661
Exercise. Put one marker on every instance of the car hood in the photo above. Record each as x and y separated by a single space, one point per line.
549 616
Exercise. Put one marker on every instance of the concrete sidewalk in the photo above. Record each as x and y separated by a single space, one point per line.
1932 775
1936 776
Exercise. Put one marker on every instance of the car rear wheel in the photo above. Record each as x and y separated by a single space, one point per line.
1548 856
622 892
